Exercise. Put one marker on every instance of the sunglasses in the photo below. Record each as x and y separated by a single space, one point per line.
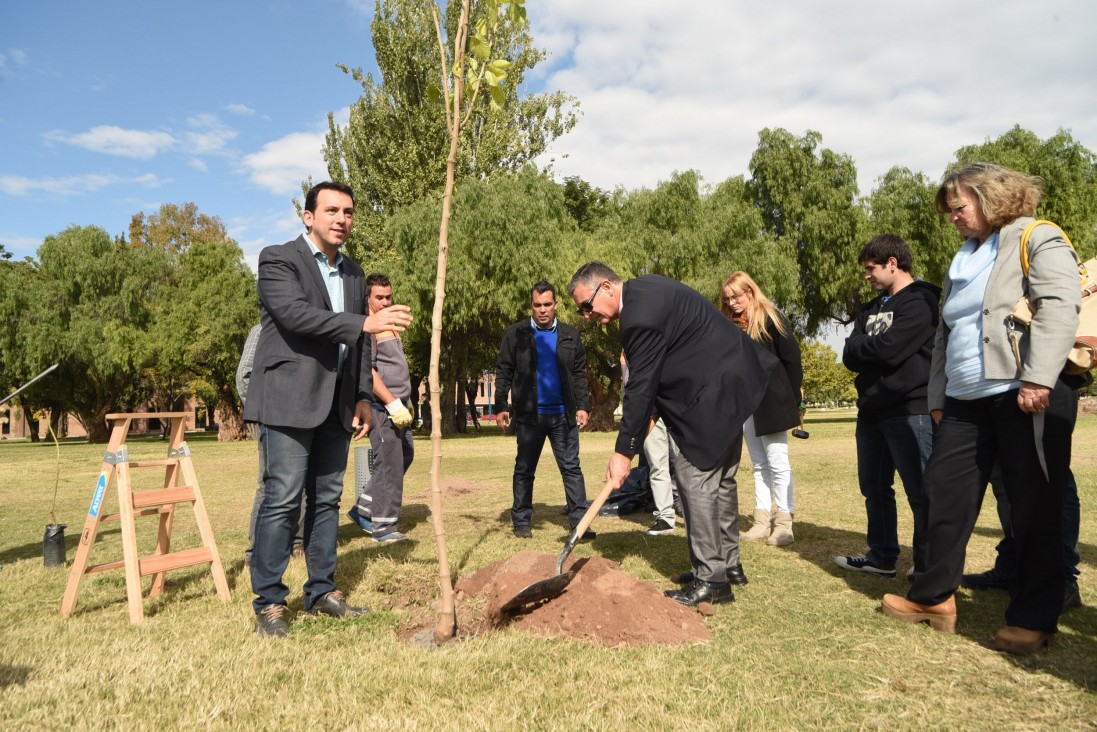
587 306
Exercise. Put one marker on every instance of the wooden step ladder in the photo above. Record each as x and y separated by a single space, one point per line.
133 504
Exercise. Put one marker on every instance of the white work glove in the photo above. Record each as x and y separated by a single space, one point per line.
400 415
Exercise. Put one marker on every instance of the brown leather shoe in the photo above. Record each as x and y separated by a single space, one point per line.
941 617
1022 641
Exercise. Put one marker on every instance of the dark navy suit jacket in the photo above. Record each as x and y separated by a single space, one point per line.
698 369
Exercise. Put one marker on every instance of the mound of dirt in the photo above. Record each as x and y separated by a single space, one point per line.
602 604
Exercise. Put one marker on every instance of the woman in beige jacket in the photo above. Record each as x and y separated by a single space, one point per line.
993 407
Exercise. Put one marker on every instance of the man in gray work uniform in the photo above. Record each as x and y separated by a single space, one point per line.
378 509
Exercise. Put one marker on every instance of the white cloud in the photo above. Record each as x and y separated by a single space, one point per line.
242 110
208 135
112 140
73 184
11 59
888 83
281 165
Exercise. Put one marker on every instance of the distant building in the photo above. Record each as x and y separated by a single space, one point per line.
15 426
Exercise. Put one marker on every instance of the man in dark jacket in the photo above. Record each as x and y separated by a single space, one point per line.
889 349
542 369
704 376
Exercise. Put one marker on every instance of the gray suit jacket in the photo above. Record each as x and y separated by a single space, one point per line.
1055 291
294 376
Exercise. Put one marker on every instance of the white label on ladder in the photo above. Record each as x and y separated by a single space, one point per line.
100 489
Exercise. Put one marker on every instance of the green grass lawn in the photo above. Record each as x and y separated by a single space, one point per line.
805 645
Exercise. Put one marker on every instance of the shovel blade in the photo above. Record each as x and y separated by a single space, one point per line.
539 591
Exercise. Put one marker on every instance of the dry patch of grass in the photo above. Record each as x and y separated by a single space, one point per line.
804 647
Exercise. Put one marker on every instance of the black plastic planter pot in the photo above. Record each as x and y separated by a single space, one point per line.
53 545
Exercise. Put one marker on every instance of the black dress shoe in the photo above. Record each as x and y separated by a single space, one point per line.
992 579
700 591
270 622
736 576
333 604
588 536
523 532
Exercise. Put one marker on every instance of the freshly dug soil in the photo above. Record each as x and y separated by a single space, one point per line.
603 604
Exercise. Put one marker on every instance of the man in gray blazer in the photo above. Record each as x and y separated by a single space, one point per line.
310 389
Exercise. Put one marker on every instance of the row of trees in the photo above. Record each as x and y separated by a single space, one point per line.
796 224
162 313
151 319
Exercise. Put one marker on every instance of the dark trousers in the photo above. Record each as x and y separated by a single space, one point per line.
298 462
382 498
972 436
883 446
710 505
564 439
1005 563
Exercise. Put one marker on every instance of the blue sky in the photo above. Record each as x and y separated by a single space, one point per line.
112 108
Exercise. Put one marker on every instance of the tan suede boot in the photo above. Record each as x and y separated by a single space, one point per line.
760 530
782 530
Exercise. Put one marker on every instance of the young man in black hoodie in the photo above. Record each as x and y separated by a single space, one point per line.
889 349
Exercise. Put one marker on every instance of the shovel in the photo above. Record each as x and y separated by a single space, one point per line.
547 589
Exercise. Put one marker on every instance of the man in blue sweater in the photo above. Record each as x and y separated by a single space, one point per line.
542 369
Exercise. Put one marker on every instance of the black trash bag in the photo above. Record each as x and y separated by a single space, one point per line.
53 545
635 495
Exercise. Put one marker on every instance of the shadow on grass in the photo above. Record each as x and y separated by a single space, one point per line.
72 540
14 675
980 614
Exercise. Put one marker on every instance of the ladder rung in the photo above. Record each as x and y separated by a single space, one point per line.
136 514
178 494
164 562
105 567
154 463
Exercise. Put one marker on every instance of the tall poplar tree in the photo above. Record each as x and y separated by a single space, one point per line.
393 151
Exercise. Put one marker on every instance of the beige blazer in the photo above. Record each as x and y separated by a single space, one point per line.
1054 290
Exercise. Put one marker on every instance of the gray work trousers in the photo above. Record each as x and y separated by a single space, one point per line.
382 498
710 504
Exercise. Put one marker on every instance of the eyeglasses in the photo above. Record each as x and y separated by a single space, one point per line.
587 306
729 299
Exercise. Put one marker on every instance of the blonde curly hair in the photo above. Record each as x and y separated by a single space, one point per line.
1004 195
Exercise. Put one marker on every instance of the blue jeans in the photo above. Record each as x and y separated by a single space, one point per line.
895 443
296 462
564 439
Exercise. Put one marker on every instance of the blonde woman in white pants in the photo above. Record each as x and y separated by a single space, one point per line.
766 432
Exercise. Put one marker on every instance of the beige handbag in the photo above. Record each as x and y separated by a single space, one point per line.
1083 356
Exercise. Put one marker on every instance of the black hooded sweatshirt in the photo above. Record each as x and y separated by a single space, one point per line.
890 348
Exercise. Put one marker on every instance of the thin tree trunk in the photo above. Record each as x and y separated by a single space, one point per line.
446 627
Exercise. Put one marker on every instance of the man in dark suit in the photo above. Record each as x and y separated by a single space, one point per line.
310 389
704 377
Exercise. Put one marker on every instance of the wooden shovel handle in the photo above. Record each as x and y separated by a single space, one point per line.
584 524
